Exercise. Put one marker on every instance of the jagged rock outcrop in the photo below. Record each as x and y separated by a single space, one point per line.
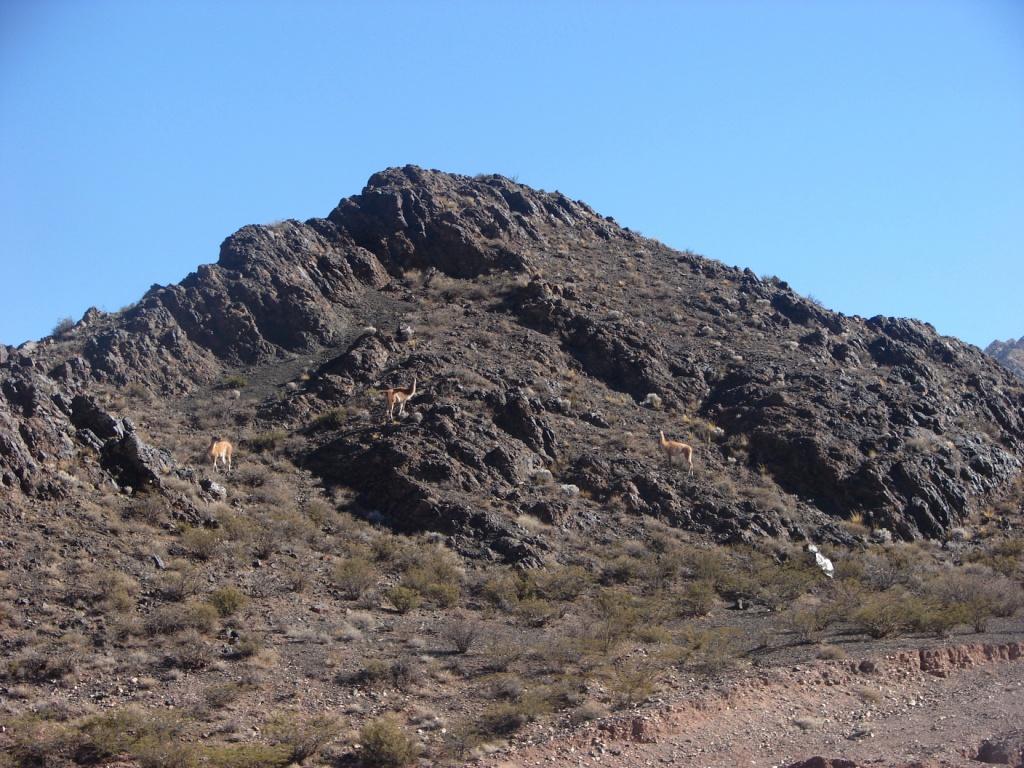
551 345
1009 353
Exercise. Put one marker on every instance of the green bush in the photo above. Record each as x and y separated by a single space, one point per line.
887 613
267 441
226 600
235 381
332 419
436 575
386 745
536 612
404 599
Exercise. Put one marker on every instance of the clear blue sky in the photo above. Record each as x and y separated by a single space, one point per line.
871 153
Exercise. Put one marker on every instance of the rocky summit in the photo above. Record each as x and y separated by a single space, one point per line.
1009 353
550 346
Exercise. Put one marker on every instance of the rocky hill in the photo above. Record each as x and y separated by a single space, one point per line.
513 555
1009 353
548 342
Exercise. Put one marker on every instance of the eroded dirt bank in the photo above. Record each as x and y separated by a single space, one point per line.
932 706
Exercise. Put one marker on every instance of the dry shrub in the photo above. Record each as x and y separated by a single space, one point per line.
614 616
219 695
44 664
632 681
202 543
501 655
436 574
247 756
169 619
189 652
304 735
709 650
111 590
831 653
697 598
320 512
1003 555
807 619
150 508
536 612
462 633
586 712
353 576
179 583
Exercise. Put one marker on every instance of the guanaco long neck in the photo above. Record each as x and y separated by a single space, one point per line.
661 433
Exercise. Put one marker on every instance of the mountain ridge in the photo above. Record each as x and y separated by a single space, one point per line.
816 417
1009 353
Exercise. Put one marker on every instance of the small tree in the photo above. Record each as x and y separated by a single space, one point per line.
63 327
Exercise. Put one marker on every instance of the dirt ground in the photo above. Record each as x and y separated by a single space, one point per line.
933 706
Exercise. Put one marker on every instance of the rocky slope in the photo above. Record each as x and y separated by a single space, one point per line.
1009 353
550 345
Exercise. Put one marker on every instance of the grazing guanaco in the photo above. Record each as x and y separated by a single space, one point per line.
399 395
675 448
220 451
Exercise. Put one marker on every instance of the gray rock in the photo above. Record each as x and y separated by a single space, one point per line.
213 490
652 401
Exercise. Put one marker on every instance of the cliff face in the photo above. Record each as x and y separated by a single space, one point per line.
549 345
1010 354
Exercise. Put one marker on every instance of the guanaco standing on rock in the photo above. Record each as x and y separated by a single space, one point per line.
675 448
220 451
399 395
